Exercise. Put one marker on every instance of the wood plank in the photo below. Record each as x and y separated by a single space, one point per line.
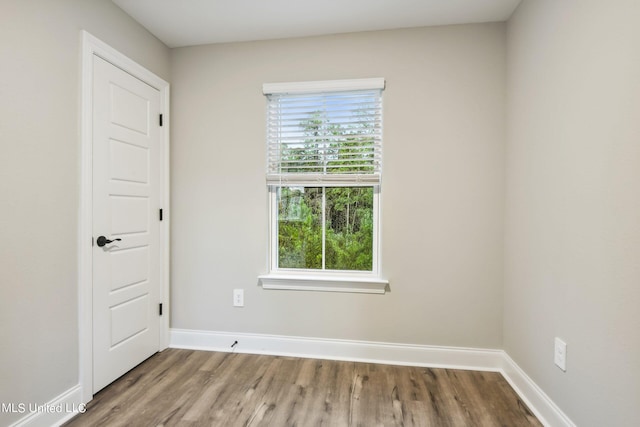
197 388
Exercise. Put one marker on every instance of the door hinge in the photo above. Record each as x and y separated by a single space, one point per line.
160 214
160 309
160 119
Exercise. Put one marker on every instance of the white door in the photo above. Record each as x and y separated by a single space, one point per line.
126 203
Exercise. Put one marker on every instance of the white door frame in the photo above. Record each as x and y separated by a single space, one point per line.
92 46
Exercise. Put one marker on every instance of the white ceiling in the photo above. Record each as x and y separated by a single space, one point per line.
192 22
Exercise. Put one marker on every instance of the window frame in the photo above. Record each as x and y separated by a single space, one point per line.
323 279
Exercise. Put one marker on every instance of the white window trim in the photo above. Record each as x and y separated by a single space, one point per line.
324 283
323 280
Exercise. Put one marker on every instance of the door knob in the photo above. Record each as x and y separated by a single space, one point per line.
104 241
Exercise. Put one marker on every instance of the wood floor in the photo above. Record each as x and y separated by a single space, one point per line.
199 388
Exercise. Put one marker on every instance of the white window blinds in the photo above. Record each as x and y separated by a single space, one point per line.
324 133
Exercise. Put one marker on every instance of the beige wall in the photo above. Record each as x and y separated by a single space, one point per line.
572 195
573 204
39 184
442 205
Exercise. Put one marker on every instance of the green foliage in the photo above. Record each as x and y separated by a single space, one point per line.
330 147
348 228
348 231
300 228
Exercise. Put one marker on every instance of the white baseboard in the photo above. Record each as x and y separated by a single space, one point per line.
377 352
333 349
53 413
537 400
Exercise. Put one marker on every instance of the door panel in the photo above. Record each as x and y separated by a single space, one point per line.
126 199
129 214
128 109
129 267
129 319
129 162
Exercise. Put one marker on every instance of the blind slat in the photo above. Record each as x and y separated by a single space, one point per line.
317 179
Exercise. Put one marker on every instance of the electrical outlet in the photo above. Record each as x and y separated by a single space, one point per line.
560 354
238 297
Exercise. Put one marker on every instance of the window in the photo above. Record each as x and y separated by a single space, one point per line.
324 163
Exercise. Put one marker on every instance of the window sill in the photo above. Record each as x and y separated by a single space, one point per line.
324 283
